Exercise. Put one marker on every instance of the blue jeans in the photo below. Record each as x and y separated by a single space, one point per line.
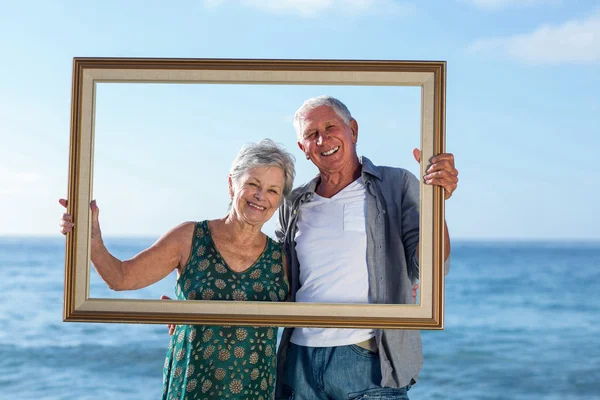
338 373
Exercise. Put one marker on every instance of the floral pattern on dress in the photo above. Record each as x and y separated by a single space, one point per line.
224 362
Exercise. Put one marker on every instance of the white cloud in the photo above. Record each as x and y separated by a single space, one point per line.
310 8
303 7
575 41
500 4
12 182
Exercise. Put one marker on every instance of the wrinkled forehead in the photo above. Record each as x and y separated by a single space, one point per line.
318 116
265 173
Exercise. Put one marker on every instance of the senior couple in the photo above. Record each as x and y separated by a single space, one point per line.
348 236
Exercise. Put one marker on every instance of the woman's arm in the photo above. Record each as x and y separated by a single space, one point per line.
171 251
149 266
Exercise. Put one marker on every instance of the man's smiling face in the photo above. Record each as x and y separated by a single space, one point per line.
327 140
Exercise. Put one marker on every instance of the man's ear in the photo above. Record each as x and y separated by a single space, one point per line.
354 129
230 186
302 148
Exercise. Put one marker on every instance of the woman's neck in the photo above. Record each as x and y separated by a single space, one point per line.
239 232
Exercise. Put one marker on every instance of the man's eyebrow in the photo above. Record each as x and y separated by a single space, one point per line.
326 122
309 131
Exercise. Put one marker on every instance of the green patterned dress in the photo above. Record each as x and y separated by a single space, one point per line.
224 362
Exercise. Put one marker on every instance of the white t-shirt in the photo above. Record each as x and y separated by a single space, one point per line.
331 244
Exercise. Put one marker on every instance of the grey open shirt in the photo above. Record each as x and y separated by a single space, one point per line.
392 228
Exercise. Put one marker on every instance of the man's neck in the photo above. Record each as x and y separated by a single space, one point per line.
331 184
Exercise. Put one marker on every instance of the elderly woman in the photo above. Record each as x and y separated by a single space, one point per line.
223 259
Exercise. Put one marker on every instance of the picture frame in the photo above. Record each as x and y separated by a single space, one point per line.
430 76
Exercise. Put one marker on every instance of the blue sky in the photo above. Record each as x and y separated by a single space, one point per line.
523 106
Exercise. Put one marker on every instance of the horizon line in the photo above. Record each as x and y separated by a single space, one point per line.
458 239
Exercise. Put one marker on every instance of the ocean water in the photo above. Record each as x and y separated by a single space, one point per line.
522 322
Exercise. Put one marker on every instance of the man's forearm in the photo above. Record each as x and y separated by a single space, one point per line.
446 242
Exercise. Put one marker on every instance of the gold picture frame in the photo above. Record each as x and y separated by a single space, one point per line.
430 76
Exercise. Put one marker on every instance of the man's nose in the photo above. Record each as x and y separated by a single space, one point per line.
320 139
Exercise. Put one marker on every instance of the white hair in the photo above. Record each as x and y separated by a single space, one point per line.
336 105
265 153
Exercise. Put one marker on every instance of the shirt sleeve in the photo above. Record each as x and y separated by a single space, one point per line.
410 223
281 225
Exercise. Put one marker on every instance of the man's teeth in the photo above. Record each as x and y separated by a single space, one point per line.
257 206
330 152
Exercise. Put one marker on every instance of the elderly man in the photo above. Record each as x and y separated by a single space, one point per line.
351 235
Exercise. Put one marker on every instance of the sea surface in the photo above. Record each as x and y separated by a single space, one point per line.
522 322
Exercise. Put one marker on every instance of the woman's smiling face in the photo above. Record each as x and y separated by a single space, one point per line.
257 193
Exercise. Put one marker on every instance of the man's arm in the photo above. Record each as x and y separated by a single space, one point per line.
281 225
410 223
447 250
442 172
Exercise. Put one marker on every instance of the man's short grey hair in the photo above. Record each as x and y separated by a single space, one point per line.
337 106
265 153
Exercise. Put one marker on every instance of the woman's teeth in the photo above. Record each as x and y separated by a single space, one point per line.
257 206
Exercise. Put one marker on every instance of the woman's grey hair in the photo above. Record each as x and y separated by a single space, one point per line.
265 153
337 106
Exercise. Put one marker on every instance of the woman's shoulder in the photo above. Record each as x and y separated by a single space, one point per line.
186 227
272 242
275 248
186 230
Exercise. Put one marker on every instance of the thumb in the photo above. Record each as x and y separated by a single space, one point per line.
417 155
63 202
95 209
95 213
